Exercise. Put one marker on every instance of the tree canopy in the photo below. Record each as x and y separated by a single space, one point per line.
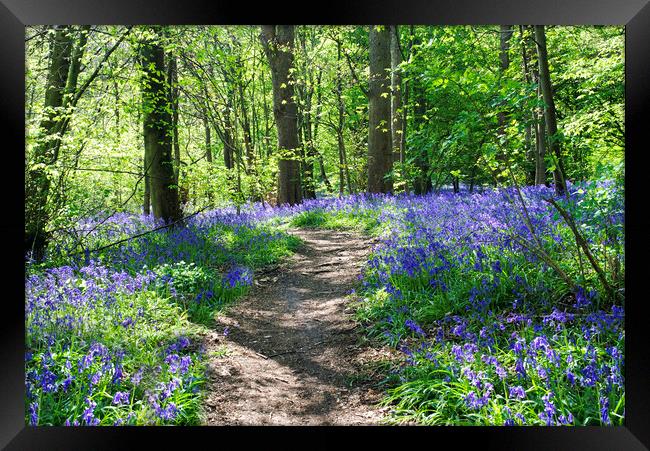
464 105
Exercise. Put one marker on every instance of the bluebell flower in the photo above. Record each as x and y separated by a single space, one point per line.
520 368
88 415
121 398
95 378
475 402
517 392
570 377
137 377
66 383
414 327
48 381
33 414
604 411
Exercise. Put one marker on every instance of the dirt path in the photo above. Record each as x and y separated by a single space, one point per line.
292 349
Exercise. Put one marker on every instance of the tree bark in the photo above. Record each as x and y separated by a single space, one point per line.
157 120
146 200
396 108
309 153
505 33
172 81
540 155
306 94
531 149
380 155
208 138
45 152
549 109
75 64
249 144
267 125
422 183
344 173
538 118
208 148
246 127
316 122
228 138
277 41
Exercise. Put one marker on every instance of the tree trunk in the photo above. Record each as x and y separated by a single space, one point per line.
252 99
246 127
157 134
323 174
396 109
146 201
249 145
472 179
267 125
309 153
208 149
277 41
539 124
45 152
305 94
540 164
316 122
422 183
228 138
549 109
341 145
505 33
528 134
75 64
172 82
380 155
344 173
208 138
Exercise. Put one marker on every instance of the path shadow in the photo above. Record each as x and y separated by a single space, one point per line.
298 323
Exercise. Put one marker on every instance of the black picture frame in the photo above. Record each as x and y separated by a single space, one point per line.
634 14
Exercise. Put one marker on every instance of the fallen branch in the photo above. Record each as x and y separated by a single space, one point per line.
537 248
583 244
547 259
101 248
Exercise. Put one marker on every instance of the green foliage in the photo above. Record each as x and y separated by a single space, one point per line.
136 324
451 83
154 323
434 396
198 290
489 335
466 121
365 221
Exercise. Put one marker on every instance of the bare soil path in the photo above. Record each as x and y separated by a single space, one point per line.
293 353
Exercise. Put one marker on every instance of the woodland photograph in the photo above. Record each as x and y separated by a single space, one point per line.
324 225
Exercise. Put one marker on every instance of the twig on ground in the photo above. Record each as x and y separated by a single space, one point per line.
144 233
